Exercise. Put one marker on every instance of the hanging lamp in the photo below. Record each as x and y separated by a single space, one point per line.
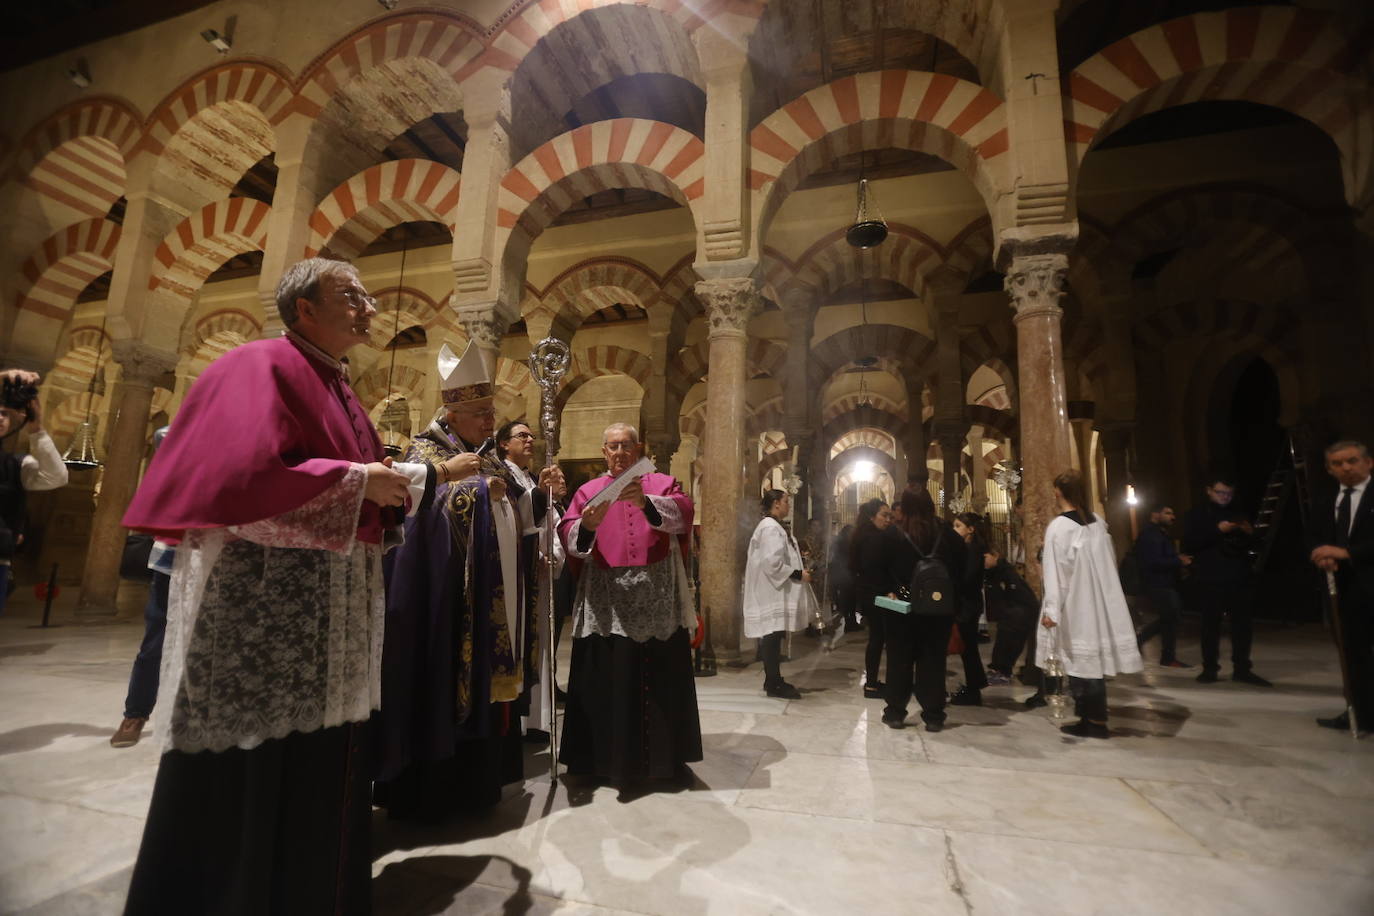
390 432
869 227
81 455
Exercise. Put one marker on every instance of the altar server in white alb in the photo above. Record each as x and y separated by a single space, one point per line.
777 591
1084 619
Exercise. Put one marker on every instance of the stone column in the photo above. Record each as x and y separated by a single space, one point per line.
730 303
484 325
979 471
486 160
799 413
661 431
1116 444
1035 283
951 454
141 369
916 433
301 184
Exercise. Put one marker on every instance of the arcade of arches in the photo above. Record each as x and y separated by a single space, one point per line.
1112 233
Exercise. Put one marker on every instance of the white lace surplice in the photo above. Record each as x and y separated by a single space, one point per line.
273 627
638 602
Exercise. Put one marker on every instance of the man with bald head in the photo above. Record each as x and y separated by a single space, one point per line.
631 714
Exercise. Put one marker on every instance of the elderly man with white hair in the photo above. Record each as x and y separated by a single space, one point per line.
631 714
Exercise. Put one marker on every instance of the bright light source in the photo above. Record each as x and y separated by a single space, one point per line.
863 470
1131 499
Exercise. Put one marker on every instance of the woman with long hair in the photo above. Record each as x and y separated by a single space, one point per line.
969 526
917 643
868 563
777 593
1083 616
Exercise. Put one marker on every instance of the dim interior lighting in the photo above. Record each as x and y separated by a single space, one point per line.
863 470
217 41
1131 499
79 75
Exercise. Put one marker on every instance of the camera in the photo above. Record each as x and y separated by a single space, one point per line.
16 395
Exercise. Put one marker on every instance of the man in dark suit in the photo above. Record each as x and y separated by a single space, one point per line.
1344 528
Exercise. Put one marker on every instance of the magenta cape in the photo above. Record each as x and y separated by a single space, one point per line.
624 537
264 430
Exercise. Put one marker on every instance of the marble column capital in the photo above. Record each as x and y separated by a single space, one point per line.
483 325
1035 284
730 304
140 364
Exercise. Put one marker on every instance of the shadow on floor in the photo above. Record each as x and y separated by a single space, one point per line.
32 737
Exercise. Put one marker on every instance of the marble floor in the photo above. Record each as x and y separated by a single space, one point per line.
1207 799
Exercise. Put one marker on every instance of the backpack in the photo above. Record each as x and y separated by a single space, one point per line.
932 587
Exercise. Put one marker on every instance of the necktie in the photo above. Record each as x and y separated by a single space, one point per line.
1343 517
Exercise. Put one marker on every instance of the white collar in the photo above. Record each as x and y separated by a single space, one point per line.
521 475
1358 488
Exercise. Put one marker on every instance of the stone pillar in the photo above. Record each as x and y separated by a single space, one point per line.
730 303
804 445
1035 283
951 454
661 430
916 433
1116 444
978 470
141 369
486 160
799 413
300 187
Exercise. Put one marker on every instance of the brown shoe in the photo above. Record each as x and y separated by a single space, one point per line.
128 733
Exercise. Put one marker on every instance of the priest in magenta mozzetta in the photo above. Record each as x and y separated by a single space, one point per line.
273 480
461 654
631 714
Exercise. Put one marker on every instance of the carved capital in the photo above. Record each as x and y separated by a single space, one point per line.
1035 284
730 303
482 325
140 364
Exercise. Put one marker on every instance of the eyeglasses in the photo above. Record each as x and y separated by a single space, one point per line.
525 435
620 446
358 300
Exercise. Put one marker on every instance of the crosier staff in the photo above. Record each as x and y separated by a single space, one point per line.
548 364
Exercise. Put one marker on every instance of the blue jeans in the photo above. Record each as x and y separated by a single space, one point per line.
147 666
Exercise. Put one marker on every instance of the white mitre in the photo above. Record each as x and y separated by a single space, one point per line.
463 380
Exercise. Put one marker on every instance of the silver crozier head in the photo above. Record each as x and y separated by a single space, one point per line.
548 364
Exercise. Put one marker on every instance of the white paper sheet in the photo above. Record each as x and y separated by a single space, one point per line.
626 477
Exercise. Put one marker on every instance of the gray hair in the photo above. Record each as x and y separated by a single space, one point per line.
1344 444
620 427
302 281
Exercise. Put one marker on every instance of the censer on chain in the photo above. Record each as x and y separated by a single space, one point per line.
1054 685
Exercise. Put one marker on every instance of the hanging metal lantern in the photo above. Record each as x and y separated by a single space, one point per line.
80 455
869 227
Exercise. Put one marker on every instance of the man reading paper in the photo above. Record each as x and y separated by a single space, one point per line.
631 714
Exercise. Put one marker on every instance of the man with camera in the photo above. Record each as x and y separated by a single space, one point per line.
40 469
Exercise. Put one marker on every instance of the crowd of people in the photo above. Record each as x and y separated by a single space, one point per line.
338 630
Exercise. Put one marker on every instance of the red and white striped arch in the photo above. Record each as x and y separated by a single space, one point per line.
514 385
216 334
865 418
594 362
596 284
371 202
1282 56
907 348
518 35
865 437
954 119
451 41
201 243
691 364
63 419
906 257
379 383
847 403
258 85
58 272
87 347
110 120
400 308
620 153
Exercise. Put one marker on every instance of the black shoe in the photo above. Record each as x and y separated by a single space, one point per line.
1208 676
783 691
1251 678
1036 701
559 694
935 726
966 697
1340 723
1086 729
875 691
894 720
